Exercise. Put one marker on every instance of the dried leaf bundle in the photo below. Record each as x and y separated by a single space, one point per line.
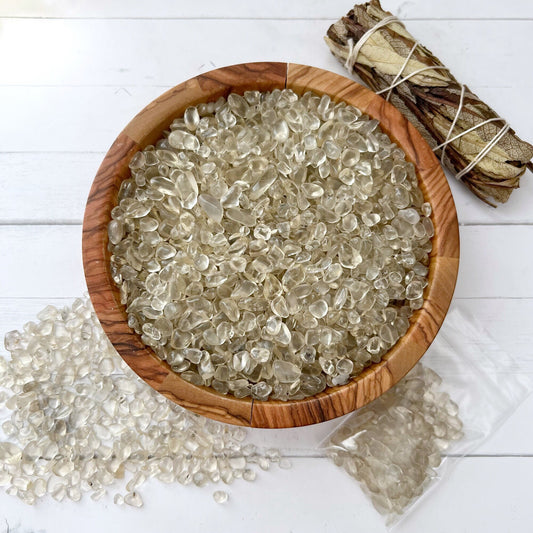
431 100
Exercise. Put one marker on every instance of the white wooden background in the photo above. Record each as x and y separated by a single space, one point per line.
72 73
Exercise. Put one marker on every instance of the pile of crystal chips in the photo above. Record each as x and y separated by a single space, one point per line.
271 245
81 421
393 445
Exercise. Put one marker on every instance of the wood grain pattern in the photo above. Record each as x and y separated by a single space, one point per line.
148 125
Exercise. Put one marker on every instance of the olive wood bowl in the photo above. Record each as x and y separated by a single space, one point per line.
148 126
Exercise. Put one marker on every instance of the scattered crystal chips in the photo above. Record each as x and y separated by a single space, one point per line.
282 240
81 421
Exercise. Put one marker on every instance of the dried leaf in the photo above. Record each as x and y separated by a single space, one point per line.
431 100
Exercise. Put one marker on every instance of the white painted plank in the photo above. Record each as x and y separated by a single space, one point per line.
45 261
470 9
471 210
41 261
88 119
163 52
46 187
152 52
481 494
81 119
495 262
52 187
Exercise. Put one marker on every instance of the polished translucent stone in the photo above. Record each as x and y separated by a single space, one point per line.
261 390
230 309
244 289
414 290
349 223
242 217
284 335
261 231
9 453
237 104
345 366
409 215
115 231
388 334
249 475
319 308
232 196
280 130
133 499
279 307
211 207
286 372
59 493
273 325
312 190
201 262
137 161
260 187
262 355
332 273
191 118
183 140
371 219
425 208
187 189
220 496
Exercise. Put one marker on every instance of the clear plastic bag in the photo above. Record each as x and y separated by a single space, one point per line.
404 442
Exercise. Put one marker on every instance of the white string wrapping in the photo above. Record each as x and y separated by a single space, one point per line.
445 144
400 72
353 52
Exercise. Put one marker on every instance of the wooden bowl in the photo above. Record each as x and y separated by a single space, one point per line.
148 126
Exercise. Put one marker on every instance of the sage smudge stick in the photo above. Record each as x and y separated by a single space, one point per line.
444 110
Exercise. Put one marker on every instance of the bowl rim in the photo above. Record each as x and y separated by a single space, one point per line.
333 402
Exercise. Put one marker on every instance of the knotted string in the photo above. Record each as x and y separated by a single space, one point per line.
353 52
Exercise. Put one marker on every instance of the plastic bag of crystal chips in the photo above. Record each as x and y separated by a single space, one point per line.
400 445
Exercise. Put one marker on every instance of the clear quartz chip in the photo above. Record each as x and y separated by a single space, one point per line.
285 463
211 207
201 262
191 118
319 308
133 499
280 130
286 372
220 496
187 189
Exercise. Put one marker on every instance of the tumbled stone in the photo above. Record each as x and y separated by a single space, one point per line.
220 496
